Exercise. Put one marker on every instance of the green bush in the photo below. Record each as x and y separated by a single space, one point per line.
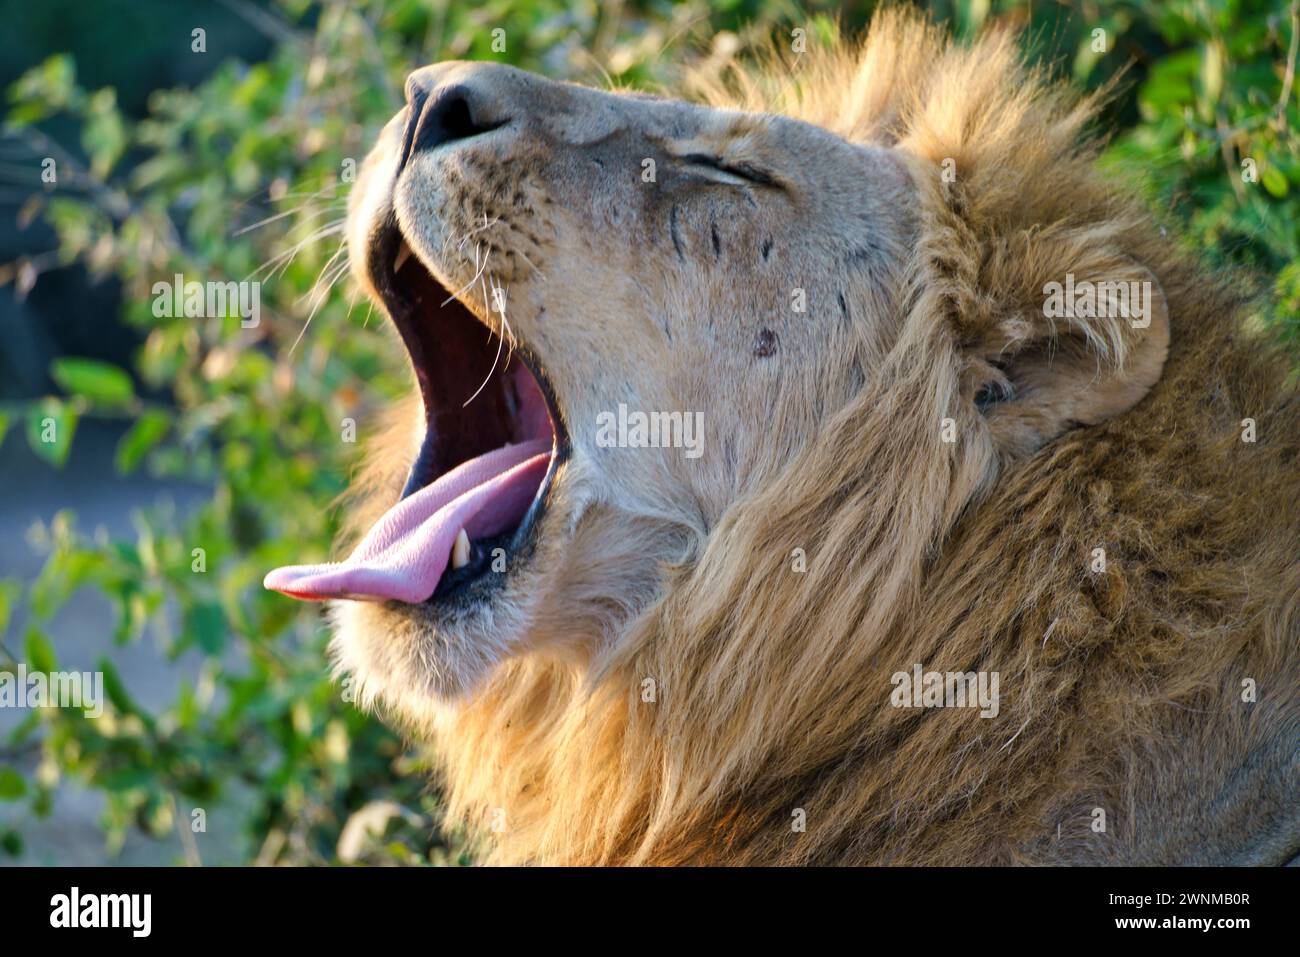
1204 115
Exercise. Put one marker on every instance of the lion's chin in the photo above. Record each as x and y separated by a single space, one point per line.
414 659
387 658
589 575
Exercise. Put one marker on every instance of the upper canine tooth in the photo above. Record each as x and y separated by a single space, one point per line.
403 254
460 550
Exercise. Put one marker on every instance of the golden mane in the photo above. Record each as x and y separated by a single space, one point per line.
771 688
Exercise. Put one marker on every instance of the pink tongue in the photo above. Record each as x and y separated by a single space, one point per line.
404 555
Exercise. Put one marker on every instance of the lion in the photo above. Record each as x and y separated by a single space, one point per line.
988 553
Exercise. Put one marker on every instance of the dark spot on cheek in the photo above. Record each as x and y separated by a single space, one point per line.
767 248
866 254
844 306
672 231
717 243
765 343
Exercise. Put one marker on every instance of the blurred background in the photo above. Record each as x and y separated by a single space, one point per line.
152 469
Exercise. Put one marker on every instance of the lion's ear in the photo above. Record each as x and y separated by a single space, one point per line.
1095 349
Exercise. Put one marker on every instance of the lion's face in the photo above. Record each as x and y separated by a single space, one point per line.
706 274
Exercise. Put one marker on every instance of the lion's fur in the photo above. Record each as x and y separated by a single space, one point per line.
1121 690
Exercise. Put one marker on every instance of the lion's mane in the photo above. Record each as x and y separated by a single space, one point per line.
1121 690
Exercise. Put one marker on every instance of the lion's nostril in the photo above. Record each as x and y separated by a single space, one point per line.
449 120
438 117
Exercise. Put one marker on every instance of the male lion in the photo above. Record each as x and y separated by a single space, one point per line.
963 408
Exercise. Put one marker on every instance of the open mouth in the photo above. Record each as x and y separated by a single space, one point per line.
480 482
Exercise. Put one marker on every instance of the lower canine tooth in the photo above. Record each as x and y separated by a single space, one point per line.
403 254
460 550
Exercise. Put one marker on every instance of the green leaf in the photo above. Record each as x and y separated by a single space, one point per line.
12 843
98 381
1273 181
126 779
12 785
104 135
10 589
146 433
43 90
1170 85
206 624
50 428
40 653
115 688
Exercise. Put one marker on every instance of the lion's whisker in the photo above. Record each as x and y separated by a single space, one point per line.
459 292
342 250
478 229
500 340
332 207
324 292
287 257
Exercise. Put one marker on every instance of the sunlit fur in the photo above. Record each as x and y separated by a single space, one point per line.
1120 690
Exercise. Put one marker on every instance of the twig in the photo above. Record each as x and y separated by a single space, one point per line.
191 847
1289 77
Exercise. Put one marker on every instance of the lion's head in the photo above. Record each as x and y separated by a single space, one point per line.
704 388
732 276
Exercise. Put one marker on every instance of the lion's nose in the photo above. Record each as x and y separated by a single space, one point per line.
442 114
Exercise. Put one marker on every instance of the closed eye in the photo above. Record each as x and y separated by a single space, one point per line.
741 170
